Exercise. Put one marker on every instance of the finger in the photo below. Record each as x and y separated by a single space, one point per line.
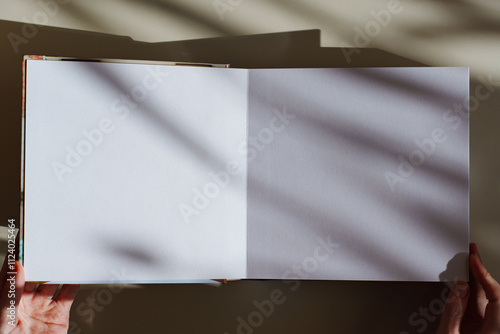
477 299
47 290
490 286
29 288
474 249
20 281
4 274
11 294
13 285
67 295
454 309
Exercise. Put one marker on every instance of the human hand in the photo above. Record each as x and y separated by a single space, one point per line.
36 309
475 309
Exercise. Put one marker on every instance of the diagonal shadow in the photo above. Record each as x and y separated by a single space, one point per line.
159 119
289 203
191 16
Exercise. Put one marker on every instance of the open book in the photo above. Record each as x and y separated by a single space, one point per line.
138 172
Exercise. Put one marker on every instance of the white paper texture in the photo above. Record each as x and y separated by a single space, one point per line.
161 195
319 204
116 216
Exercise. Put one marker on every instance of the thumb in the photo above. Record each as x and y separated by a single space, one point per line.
454 309
19 282
11 297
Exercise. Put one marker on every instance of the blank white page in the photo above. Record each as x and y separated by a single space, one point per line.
124 170
139 173
327 198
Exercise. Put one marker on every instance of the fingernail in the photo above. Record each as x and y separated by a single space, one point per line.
460 289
